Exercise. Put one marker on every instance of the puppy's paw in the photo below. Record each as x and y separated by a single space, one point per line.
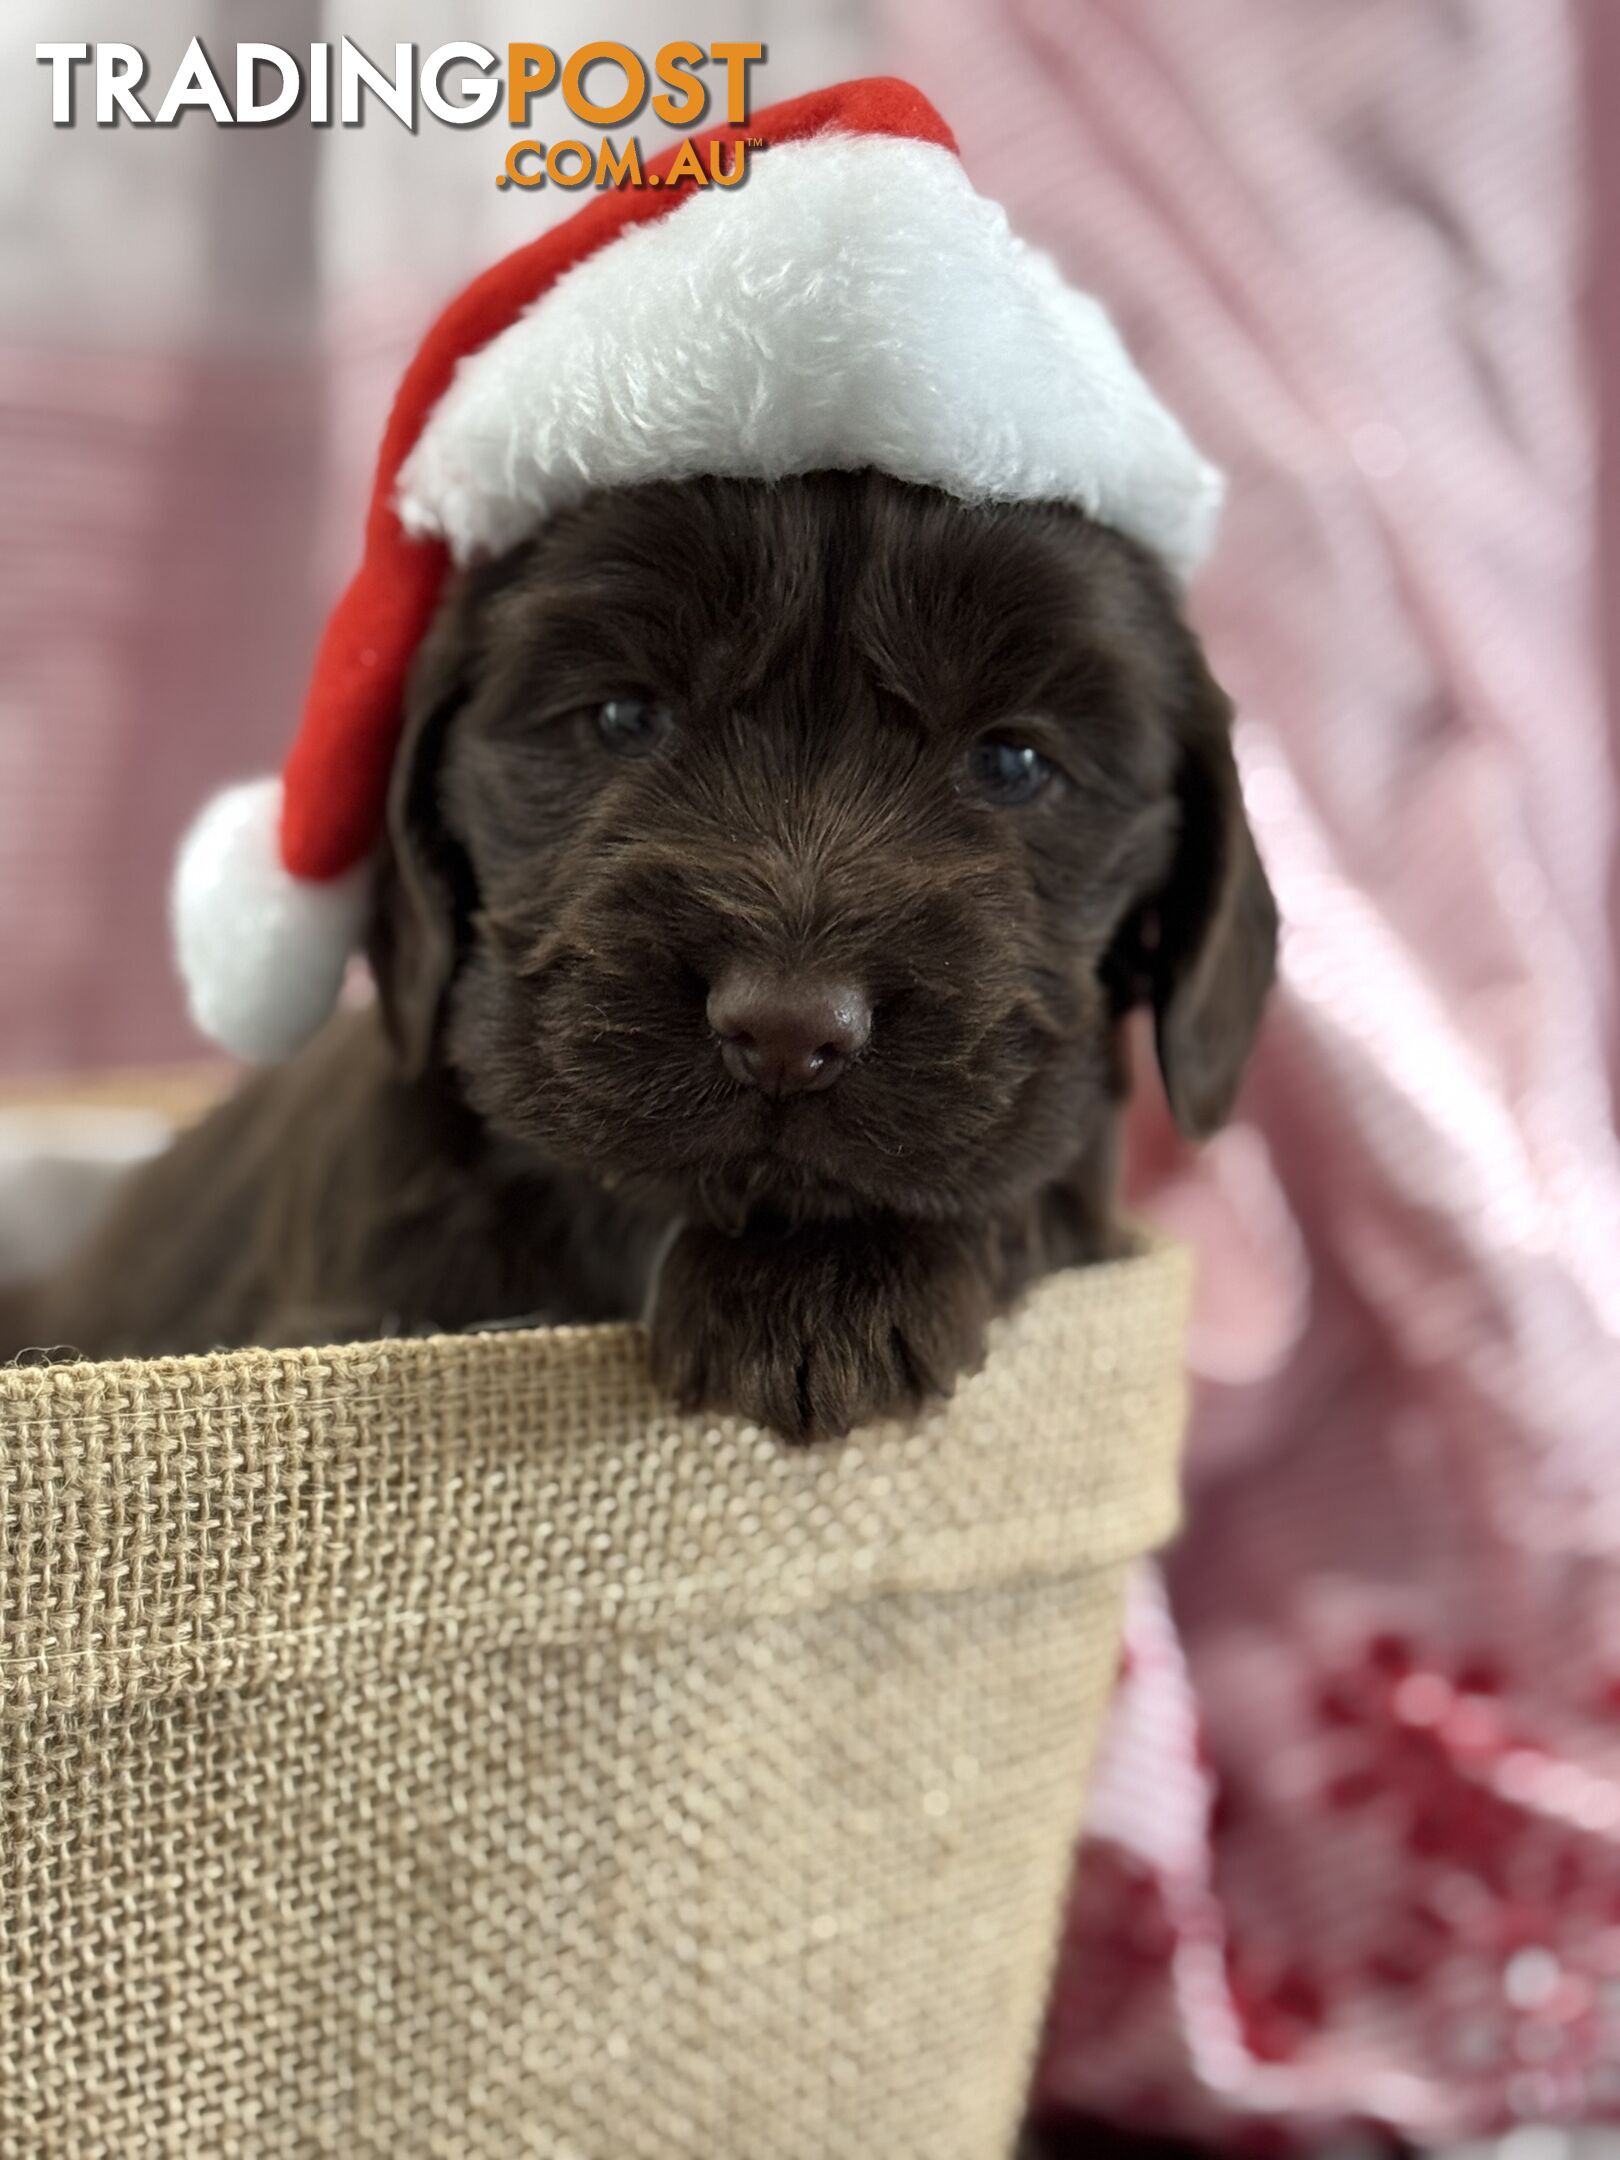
815 1330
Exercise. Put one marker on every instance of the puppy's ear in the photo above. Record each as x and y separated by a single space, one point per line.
421 901
1214 948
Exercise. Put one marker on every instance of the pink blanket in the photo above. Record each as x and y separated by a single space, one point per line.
1355 1856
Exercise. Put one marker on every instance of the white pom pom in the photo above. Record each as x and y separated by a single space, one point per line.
262 953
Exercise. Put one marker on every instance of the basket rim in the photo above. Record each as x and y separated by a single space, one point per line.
1153 1256
243 1519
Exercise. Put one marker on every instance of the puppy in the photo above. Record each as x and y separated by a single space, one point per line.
770 870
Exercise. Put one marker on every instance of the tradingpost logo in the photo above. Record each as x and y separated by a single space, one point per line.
600 87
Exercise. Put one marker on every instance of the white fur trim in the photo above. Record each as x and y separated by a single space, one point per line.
853 302
262 953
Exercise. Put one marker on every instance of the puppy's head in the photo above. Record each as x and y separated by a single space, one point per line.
801 845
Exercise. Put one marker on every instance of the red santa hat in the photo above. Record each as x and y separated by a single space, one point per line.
852 302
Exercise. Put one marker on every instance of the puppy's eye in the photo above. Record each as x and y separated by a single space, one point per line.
630 727
1006 771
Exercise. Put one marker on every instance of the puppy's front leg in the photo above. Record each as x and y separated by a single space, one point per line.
818 1327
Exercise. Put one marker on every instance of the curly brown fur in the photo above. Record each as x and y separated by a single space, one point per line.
539 1120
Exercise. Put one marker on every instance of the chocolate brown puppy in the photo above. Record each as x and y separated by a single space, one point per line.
770 869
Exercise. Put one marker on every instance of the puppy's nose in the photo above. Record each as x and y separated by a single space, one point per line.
786 1034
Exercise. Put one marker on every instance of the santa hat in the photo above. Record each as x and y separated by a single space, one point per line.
851 302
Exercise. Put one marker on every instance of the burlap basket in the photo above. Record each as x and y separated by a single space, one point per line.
440 1748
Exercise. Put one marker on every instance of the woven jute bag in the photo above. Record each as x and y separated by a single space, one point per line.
441 1748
